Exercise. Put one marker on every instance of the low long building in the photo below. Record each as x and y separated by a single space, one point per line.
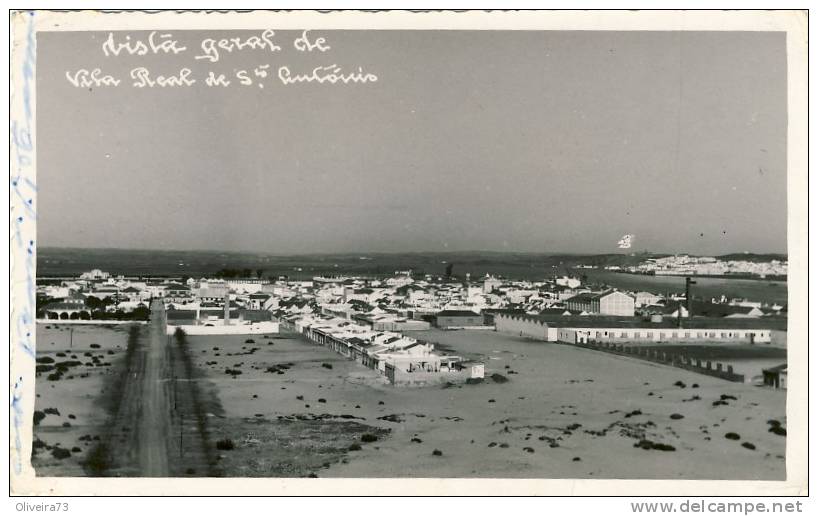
613 329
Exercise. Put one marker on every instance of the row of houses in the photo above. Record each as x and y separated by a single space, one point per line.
402 360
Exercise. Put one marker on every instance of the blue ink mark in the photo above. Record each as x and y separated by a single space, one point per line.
24 187
17 409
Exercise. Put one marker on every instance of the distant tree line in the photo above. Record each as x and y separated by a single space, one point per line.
228 273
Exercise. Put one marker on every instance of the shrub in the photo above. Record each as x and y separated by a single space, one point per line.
38 416
680 384
45 360
749 446
676 416
498 378
249 341
778 430
94 346
326 365
60 453
354 447
225 444
732 436
369 438
437 453
321 400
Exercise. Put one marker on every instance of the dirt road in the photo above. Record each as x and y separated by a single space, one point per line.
154 413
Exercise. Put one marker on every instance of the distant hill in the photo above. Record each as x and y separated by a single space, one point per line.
752 257
53 261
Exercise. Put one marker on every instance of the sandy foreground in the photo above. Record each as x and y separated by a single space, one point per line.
74 419
564 413
292 408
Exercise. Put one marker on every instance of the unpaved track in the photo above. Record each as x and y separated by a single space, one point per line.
154 413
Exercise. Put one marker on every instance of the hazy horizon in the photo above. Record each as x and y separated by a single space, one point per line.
364 252
508 141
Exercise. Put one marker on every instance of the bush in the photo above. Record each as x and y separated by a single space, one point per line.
680 384
778 430
369 438
94 346
38 416
732 436
321 400
498 378
225 444
749 446
676 416
354 447
45 360
60 453
437 453
326 365
249 341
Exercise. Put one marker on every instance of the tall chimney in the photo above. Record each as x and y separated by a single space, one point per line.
688 297
227 308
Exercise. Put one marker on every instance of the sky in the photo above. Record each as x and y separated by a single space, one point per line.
549 141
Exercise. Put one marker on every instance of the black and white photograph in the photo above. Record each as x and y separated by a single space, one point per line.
251 246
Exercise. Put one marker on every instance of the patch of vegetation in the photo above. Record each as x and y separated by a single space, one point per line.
60 453
647 444
369 438
225 444
732 436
